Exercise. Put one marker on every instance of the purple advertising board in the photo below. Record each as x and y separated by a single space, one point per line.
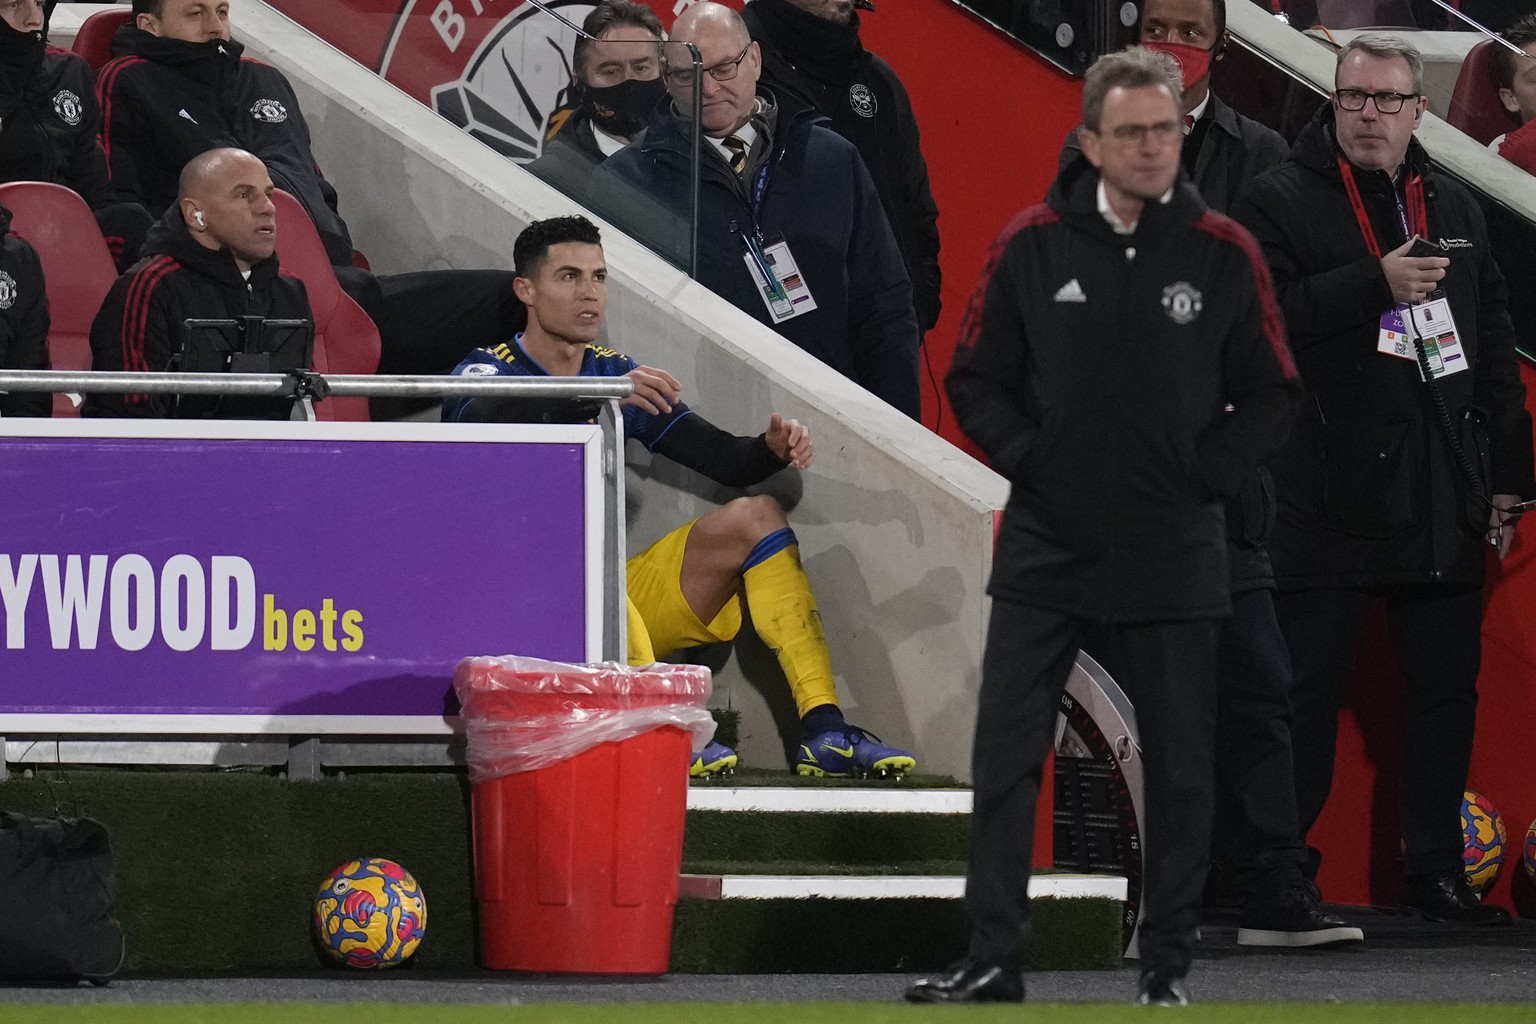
285 577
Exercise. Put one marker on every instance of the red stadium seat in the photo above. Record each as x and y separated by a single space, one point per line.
346 340
76 265
94 40
1475 108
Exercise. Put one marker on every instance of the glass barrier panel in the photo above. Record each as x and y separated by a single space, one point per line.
527 81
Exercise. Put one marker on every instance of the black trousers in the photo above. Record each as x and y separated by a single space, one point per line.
1170 679
1437 636
1256 787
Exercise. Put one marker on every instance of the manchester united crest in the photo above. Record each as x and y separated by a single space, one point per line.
68 106
269 112
1182 302
7 290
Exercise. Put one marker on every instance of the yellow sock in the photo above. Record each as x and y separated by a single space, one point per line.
784 612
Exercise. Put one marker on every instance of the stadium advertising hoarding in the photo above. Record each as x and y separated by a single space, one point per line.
285 577
497 68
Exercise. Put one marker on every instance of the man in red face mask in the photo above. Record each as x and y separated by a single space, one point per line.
1222 148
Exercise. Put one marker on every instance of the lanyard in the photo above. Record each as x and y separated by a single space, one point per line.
758 190
1415 222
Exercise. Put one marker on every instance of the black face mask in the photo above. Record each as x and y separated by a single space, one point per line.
623 109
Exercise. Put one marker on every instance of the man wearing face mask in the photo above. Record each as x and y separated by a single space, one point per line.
1223 150
812 48
48 125
616 86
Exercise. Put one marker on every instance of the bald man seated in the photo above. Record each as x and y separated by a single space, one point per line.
211 256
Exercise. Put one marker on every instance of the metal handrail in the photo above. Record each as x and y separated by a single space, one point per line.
340 385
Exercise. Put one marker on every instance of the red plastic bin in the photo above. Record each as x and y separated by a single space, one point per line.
577 861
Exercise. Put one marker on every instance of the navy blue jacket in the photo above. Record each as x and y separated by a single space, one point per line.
818 196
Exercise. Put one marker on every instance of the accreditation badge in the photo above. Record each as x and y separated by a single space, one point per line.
783 288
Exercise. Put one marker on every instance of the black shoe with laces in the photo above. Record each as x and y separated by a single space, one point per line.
969 982
1447 897
1160 989
1293 918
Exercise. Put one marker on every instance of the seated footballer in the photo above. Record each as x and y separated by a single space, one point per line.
686 589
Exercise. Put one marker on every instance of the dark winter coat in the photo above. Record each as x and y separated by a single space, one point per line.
164 101
50 118
140 325
1094 370
570 157
1225 151
826 65
23 320
819 197
1370 493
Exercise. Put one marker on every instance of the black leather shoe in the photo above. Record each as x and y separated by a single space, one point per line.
1447 897
969 982
1159 989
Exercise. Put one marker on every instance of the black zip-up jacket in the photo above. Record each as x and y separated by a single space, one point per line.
164 101
140 324
1370 493
826 65
818 196
23 320
1094 370
50 118
1224 153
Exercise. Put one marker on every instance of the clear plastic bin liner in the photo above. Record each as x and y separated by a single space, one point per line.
522 714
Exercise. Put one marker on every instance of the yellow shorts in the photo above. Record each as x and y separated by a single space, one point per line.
656 591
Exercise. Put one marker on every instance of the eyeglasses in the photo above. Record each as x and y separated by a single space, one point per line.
722 72
1163 132
1386 102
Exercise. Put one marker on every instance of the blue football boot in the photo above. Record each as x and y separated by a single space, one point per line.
852 752
714 759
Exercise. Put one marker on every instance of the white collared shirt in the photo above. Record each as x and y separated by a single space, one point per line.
1199 111
1108 213
607 144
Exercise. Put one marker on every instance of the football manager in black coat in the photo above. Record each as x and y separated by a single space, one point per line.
1390 486
1111 329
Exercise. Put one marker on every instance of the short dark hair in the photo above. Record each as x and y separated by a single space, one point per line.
533 245
1522 33
606 15
1218 14
154 7
1135 67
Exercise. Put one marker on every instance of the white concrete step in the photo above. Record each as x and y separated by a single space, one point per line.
883 887
829 800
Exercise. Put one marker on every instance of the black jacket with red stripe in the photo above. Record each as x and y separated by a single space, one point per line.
50 118
140 327
164 101
1095 369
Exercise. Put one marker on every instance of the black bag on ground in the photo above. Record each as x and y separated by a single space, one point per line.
56 892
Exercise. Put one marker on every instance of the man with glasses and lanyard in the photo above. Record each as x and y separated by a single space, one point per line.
790 227
1413 439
